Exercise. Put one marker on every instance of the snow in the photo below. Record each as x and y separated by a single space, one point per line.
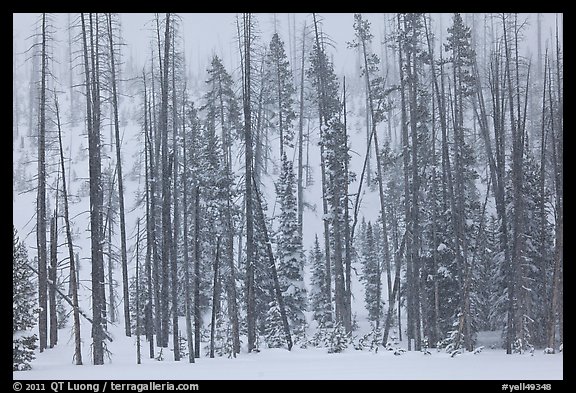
298 364
307 364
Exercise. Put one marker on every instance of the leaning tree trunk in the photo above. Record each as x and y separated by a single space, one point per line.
272 266
73 277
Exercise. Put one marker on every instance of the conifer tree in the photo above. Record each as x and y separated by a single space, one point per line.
280 91
290 253
23 307
371 276
319 302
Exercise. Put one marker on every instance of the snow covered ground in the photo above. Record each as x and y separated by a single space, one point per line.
298 364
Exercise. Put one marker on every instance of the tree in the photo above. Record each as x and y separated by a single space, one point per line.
319 302
281 91
372 276
334 164
462 58
111 25
73 269
249 198
290 253
24 307
92 84
375 96
221 106
41 195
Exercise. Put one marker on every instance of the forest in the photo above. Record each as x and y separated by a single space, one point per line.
271 200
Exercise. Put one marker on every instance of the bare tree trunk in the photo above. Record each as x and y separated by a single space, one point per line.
347 235
166 227
187 300
137 316
176 227
149 228
196 284
124 258
73 277
93 122
300 190
250 255
41 202
215 297
374 134
52 277
231 279
407 212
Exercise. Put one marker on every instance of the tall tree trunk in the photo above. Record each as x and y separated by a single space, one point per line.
187 294
41 202
149 325
250 254
93 125
124 258
300 189
374 134
73 278
176 227
412 75
327 254
196 284
137 316
407 212
215 297
347 234
166 227
52 277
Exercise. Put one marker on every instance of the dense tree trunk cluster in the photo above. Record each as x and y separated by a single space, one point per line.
463 150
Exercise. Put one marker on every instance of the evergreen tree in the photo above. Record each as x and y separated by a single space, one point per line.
371 276
221 106
319 302
280 91
273 327
290 253
466 202
23 307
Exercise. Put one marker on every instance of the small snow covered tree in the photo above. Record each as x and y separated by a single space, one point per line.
273 329
23 307
371 276
319 300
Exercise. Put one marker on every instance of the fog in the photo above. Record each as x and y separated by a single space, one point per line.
205 34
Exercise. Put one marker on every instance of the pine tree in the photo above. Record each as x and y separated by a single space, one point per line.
280 91
319 302
371 276
290 253
221 106
23 307
273 327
